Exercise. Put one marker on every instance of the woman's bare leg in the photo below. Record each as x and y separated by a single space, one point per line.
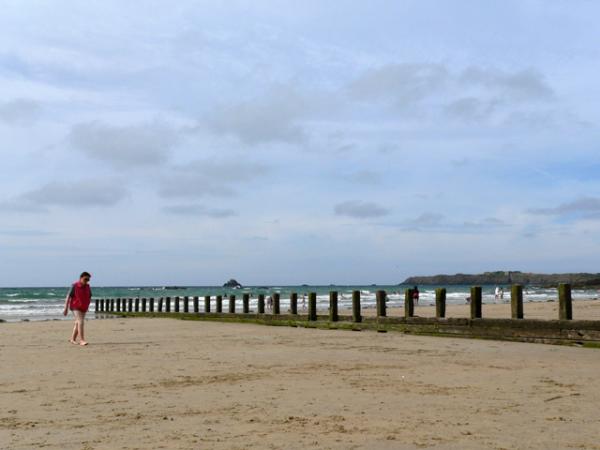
73 339
80 325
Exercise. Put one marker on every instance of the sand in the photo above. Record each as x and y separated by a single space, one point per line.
169 384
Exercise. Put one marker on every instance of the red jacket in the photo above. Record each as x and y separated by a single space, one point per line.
81 296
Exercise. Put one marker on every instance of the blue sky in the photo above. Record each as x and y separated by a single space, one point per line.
282 143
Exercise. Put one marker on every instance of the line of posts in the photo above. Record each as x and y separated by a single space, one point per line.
565 309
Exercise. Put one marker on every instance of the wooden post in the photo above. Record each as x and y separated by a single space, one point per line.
440 303
160 304
168 304
312 306
356 313
151 302
409 304
177 304
516 301
276 303
333 306
381 306
137 304
144 301
476 302
294 303
101 305
246 303
186 304
219 303
196 305
261 303
129 305
96 303
207 303
118 305
232 304
565 304
112 305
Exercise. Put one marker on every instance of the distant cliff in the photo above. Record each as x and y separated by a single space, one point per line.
504 278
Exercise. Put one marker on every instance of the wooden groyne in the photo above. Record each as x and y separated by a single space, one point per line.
563 330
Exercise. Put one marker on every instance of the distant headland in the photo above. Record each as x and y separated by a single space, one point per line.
511 277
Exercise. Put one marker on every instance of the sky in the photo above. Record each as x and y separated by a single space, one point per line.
285 142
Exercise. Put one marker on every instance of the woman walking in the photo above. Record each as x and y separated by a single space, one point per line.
78 300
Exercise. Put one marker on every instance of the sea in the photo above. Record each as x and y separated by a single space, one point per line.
46 303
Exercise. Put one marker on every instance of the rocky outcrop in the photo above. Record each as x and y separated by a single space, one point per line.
512 277
232 284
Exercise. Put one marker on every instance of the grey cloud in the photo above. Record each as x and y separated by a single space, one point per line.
364 177
124 146
471 109
405 84
80 194
19 111
26 233
525 84
488 222
360 210
426 220
274 117
199 210
584 205
209 178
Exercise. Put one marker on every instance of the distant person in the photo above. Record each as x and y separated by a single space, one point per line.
78 300
497 293
501 293
270 303
415 295
303 302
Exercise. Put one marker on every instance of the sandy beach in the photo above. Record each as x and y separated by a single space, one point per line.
169 384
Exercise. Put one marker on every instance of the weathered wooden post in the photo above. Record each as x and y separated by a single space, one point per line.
380 297
112 305
137 304
177 303
219 303
409 304
312 306
440 303
101 305
565 303
232 304
294 303
196 304
144 302
168 304
186 304
96 305
160 304
207 303
151 303
129 305
333 306
476 301
118 305
246 303
276 303
356 313
261 303
516 301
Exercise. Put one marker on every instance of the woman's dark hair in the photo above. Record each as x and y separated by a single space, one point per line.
85 274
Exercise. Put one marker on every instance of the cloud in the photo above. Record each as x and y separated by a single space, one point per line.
25 233
80 194
471 109
274 117
427 219
199 210
19 111
487 223
364 177
584 205
209 178
521 85
360 210
128 147
405 84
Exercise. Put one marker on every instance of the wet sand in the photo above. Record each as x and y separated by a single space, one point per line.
169 384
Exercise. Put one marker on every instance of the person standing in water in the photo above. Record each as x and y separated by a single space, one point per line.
415 295
78 300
